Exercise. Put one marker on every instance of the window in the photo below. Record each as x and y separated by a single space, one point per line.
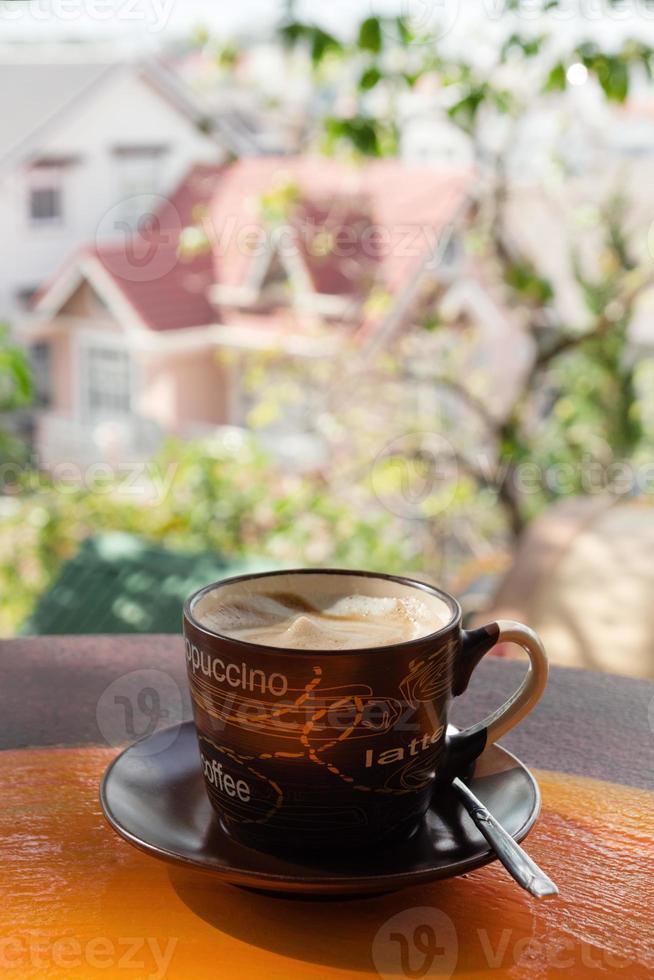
452 251
40 357
46 205
275 287
45 189
139 174
106 380
25 296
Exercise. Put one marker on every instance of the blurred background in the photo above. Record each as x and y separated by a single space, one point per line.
356 284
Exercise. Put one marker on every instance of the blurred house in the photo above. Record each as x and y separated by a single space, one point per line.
86 146
122 341
259 103
304 257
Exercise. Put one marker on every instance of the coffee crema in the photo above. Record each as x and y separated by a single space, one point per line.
288 620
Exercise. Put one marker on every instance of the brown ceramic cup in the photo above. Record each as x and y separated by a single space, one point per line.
306 749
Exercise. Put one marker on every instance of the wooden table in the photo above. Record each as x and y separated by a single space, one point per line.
79 902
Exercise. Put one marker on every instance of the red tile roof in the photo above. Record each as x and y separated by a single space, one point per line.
356 229
354 226
167 290
170 300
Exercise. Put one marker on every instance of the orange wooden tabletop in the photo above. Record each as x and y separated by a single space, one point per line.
77 901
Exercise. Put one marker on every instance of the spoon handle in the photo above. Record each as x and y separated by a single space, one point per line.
516 861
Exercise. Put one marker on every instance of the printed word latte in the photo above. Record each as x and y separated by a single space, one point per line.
290 621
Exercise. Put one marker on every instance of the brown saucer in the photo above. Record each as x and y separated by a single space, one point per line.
152 794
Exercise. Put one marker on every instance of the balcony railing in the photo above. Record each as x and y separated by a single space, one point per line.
61 439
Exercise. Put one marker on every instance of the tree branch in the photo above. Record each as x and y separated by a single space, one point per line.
474 403
602 325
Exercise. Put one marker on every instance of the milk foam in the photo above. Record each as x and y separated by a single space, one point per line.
326 623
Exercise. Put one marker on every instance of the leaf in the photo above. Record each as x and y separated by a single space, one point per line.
15 375
646 62
464 112
404 30
361 131
529 46
370 35
411 77
293 32
524 279
556 80
23 378
614 79
322 44
432 322
587 50
503 101
227 57
510 43
369 79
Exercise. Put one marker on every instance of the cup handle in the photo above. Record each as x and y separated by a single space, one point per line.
467 745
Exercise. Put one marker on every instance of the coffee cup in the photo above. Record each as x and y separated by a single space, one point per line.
311 748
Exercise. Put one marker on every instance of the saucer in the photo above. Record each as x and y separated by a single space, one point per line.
153 795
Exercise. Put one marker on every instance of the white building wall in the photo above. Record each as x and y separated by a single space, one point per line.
123 109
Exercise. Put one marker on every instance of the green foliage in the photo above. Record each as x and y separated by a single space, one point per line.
556 80
404 32
319 42
527 47
612 71
370 35
370 78
223 495
16 392
370 136
593 419
582 388
390 54
432 321
15 375
277 204
584 395
227 56
464 111
523 278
